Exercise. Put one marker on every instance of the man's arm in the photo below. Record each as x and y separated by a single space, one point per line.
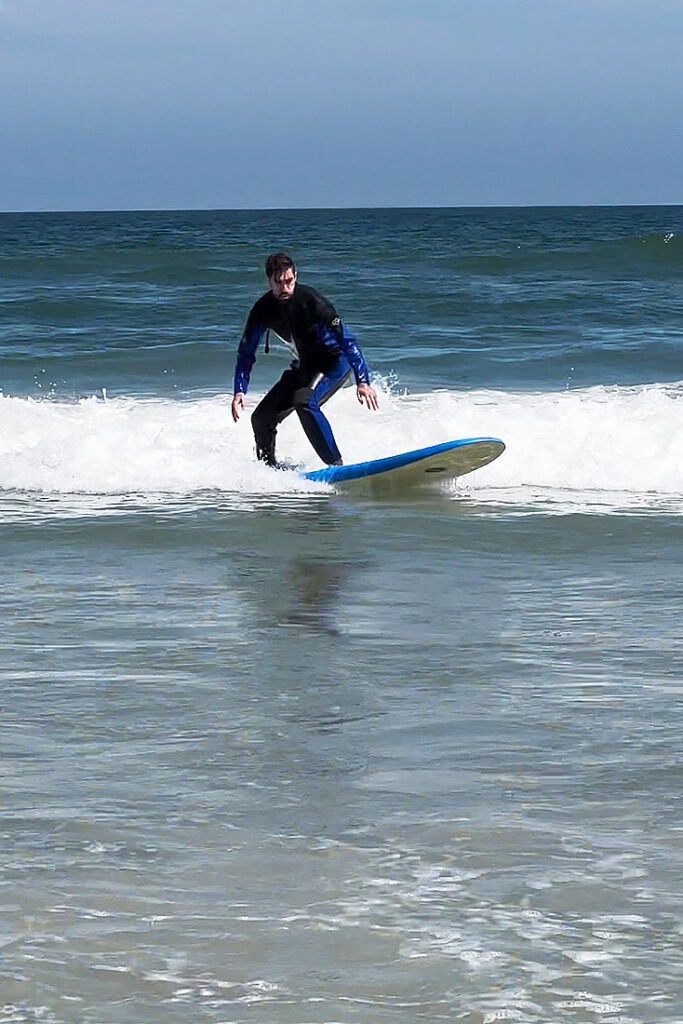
246 356
364 392
331 330
351 350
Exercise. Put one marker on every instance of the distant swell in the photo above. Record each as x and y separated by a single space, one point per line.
642 256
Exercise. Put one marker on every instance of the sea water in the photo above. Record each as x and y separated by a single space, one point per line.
273 753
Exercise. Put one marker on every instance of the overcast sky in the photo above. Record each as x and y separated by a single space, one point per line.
128 104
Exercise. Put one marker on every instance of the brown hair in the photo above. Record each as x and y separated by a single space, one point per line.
278 263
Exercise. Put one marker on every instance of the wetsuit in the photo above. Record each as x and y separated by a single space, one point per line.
325 354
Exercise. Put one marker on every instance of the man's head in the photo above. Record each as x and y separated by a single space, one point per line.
281 274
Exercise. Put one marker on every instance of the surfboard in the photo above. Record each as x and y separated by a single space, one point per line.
436 464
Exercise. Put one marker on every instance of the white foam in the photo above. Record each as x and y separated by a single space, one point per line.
625 439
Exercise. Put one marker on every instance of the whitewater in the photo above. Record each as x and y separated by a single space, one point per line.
616 445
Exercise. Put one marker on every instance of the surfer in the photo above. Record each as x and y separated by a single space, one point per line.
325 354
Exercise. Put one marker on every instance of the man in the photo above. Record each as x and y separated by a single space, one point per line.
325 354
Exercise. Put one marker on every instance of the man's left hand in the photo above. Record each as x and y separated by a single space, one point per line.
367 394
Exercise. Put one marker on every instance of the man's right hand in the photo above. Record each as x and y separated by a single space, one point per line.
237 405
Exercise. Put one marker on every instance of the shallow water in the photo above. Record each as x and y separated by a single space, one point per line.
363 771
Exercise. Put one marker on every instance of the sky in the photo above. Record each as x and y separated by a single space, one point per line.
233 104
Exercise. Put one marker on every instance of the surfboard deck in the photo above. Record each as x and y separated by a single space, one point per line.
436 464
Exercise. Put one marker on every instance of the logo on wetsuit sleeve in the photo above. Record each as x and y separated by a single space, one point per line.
336 322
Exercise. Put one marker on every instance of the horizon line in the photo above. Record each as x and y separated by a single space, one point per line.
334 209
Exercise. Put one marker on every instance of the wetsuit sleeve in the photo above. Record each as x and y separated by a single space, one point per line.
246 353
347 343
334 334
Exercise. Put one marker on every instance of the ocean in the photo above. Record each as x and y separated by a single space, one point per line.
277 754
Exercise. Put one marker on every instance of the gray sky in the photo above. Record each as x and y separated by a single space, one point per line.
126 104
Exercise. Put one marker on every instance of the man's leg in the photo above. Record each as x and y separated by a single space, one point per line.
270 411
307 402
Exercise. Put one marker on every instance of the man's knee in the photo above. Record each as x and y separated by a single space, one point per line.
262 422
304 399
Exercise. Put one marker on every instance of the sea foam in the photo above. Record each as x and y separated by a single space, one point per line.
626 439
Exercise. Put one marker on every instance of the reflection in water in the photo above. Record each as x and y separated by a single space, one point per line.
314 586
306 556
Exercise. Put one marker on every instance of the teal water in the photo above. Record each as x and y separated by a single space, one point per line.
272 753
442 298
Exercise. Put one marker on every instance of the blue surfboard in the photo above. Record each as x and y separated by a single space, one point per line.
438 463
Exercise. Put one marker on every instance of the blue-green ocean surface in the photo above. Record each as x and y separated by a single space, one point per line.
271 753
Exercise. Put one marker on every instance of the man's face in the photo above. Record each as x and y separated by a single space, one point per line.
282 286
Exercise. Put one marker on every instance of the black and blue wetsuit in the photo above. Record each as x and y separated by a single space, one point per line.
325 354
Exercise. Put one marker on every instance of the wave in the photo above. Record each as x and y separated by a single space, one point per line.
598 439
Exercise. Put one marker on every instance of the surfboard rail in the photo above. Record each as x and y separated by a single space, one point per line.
445 461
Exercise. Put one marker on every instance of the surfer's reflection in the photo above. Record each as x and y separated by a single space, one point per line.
301 573
313 588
